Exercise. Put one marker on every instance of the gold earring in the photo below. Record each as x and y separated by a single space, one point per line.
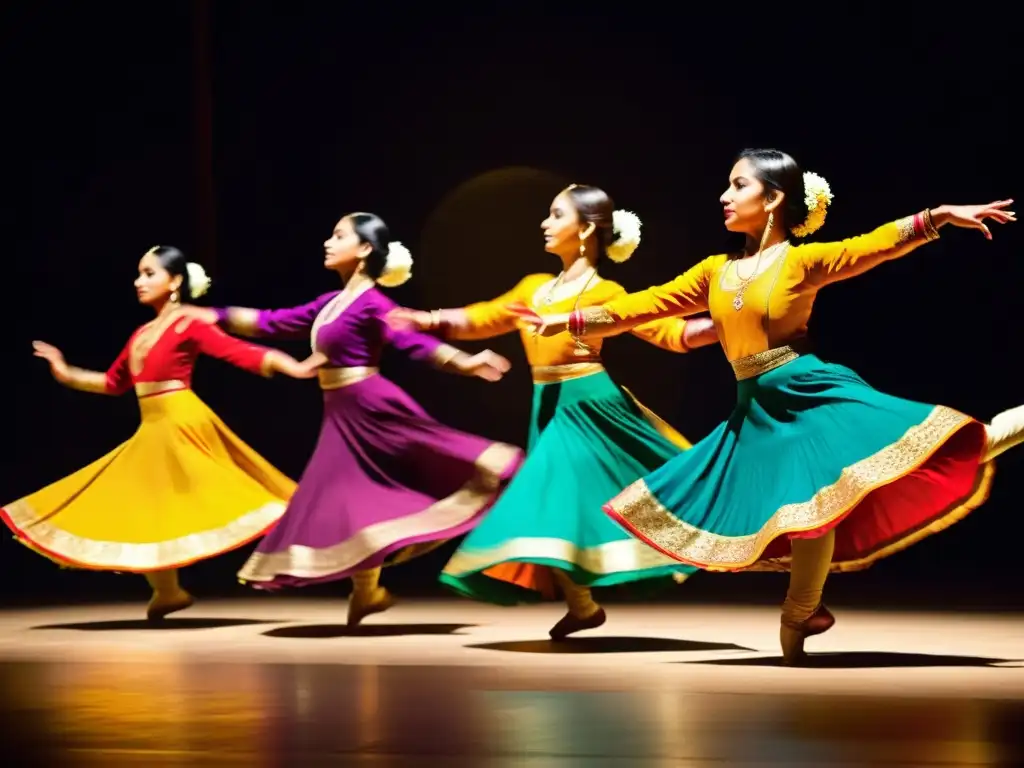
768 228
583 245
174 296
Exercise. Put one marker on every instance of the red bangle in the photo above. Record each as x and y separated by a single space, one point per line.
919 230
576 323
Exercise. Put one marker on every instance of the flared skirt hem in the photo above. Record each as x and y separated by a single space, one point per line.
277 576
71 551
951 455
389 542
519 570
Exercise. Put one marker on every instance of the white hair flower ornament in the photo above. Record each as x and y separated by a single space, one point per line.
397 267
817 198
198 280
626 228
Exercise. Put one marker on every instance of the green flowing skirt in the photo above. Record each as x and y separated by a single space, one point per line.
810 447
588 439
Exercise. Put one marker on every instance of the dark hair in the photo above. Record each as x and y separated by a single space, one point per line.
174 261
371 229
593 205
780 172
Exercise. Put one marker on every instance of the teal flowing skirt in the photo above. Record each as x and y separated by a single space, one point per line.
810 447
588 439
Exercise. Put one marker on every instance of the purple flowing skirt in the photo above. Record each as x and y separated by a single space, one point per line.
386 483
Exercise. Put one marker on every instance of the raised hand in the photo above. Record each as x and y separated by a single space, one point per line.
52 355
975 216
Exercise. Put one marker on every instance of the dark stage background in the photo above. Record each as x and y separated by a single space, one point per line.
241 131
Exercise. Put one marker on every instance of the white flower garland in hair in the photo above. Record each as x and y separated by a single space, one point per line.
626 228
198 280
397 267
817 198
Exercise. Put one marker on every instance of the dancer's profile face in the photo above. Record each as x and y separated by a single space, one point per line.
154 283
744 202
343 249
562 227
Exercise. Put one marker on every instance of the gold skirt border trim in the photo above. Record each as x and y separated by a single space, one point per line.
626 556
643 513
957 512
72 551
447 513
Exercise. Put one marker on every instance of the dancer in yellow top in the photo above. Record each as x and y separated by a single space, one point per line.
815 470
588 437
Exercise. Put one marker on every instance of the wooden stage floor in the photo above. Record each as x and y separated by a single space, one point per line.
280 681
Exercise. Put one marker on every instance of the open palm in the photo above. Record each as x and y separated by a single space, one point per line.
975 216
53 356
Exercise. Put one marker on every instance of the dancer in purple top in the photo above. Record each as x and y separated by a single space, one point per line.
386 481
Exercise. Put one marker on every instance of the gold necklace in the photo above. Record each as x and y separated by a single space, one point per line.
549 297
737 302
582 350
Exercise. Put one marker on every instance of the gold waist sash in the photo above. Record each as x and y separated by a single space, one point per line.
336 378
754 365
547 374
148 388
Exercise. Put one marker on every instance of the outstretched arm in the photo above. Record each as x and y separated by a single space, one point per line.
286 323
423 347
115 381
827 263
686 295
677 334
674 334
482 320
250 357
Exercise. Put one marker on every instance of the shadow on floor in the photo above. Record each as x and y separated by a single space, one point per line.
863 660
165 624
322 631
609 645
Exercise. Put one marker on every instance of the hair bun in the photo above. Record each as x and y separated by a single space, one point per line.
817 199
198 280
397 266
626 228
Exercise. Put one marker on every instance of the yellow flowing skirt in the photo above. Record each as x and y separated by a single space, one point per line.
182 489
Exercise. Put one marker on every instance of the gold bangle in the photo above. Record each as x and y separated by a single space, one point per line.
435 319
930 231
